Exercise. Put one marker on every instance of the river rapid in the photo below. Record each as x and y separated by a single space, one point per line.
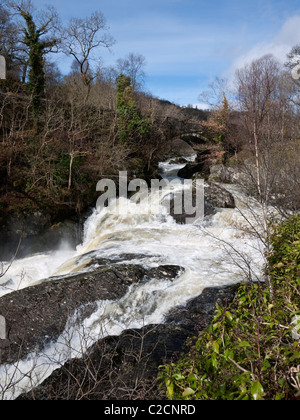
215 251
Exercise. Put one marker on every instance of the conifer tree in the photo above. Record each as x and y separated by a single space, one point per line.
132 125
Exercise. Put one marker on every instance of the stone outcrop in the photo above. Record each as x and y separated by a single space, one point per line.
218 196
126 367
37 315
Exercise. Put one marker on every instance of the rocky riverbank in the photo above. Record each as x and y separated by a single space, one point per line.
126 366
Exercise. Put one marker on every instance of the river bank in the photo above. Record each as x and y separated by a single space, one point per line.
125 367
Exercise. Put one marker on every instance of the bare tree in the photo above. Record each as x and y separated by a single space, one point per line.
215 93
269 117
82 37
133 65
257 86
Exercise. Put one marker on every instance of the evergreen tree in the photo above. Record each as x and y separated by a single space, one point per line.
132 126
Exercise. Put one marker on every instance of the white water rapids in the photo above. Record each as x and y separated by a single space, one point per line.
213 252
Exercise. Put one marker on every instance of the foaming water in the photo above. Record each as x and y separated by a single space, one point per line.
212 252
29 271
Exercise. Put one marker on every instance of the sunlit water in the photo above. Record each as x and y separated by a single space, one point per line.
212 252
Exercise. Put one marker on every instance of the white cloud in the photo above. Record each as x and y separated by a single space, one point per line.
290 32
279 46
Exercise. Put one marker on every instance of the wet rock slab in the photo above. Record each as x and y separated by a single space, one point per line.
37 315
126 367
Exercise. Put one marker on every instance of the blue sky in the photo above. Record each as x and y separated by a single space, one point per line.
187 43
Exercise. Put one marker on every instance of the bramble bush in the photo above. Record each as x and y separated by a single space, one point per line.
250 351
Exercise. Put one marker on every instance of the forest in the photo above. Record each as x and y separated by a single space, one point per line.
59 133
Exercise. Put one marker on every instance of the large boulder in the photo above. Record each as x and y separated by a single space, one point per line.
230 174
215 197
190 170
218 196
208 156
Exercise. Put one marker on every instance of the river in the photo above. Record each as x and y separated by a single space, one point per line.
215 251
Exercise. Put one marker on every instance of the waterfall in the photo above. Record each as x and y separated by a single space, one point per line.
204 250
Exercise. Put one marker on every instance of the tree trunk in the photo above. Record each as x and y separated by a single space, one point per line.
70 170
